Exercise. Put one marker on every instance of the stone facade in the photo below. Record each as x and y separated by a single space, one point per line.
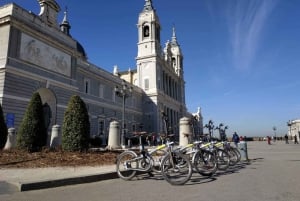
294 128
38 54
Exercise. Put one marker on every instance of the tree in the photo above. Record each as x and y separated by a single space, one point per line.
76 126
32 133
3 129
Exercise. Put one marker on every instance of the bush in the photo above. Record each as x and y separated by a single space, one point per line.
32 134
76 126
3 129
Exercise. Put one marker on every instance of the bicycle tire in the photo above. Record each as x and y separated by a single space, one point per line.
233 157
179 172
223 159
238 153
205 162
124 164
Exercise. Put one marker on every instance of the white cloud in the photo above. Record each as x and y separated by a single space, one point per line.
246 21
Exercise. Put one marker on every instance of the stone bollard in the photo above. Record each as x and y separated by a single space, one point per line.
11 139
185 131
55 136
242 147
114 136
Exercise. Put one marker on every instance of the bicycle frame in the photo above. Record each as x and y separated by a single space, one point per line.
145 157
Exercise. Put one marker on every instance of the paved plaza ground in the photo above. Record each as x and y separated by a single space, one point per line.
272 174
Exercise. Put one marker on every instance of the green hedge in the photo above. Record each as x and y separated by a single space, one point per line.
3 129
32 134
76 126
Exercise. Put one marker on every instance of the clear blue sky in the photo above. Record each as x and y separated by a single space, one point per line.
241 57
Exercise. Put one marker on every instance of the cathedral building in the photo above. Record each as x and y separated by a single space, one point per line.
38 54
294 128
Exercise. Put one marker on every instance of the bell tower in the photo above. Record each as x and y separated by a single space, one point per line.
159 73
148 31
149 49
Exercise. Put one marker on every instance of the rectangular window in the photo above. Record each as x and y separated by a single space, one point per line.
86 86
101 90
133 127
101 127
146 84
134 101
113 95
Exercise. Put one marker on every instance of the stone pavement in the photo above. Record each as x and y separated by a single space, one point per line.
39 178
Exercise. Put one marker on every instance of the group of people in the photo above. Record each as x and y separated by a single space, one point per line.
286 137
236 139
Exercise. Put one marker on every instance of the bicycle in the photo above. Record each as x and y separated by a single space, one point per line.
203 160
176 167
129 162
234 154
221 155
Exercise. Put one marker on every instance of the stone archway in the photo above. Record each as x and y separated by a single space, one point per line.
49 98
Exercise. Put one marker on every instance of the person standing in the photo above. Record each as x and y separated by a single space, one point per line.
235 138
286 137
296 139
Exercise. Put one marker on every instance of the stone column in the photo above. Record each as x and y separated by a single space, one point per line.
185 131
114 136
11 139
242 146
55 136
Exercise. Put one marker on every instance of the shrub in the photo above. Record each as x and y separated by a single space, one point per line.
76 126
3 129
32 134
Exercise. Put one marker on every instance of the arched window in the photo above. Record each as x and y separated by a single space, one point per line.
146 31
173 62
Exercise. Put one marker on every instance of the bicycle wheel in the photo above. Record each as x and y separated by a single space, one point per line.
176 168
205 162
222 159
126 164
238 153
157 158
233 157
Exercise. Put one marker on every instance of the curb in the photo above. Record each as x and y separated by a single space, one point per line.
37 185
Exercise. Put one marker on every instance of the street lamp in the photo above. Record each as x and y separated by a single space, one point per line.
274 129
210 127
289 124
124 93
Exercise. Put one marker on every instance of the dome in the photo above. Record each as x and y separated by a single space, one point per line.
81 50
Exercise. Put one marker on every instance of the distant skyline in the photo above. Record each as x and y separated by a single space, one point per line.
241 58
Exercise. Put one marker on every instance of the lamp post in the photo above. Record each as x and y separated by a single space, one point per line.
124 93
210 127
220 129
274 129
289 124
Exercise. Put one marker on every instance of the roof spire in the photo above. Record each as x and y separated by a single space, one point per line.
65 25
174 39
148 5
65 14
